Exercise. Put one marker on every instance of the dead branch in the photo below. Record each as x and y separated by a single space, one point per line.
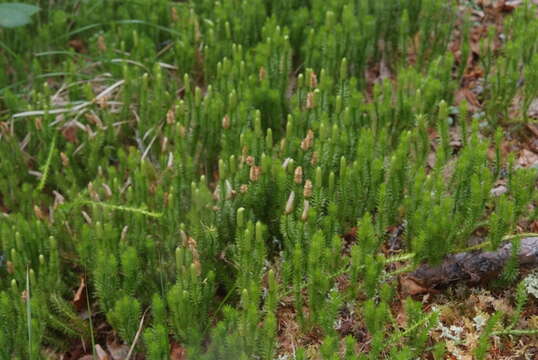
474 266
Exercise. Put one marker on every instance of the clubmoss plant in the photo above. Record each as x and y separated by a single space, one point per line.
237 172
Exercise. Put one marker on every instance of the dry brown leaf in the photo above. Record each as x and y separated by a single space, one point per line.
533 109
411 287
401 317
42 215
101 353
78 299
533 322
533 145
527 158
101 44
477 33
351 235
455 137
507 6
91 116
534 226
117 351
69 132
533 128
178 352
384 71
502 304
469 96
24 295
485 300
10 267
78 45
191 244
430 160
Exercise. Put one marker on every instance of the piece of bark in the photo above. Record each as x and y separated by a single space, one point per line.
474 266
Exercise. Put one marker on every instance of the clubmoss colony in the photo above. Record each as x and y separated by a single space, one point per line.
197 163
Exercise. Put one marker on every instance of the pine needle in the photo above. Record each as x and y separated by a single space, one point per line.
137 336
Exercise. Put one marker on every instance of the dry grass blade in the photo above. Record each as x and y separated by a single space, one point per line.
77 108
137 336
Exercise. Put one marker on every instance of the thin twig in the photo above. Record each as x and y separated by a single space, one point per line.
517 332
137 335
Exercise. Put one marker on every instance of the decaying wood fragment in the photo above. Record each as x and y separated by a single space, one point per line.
473 266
